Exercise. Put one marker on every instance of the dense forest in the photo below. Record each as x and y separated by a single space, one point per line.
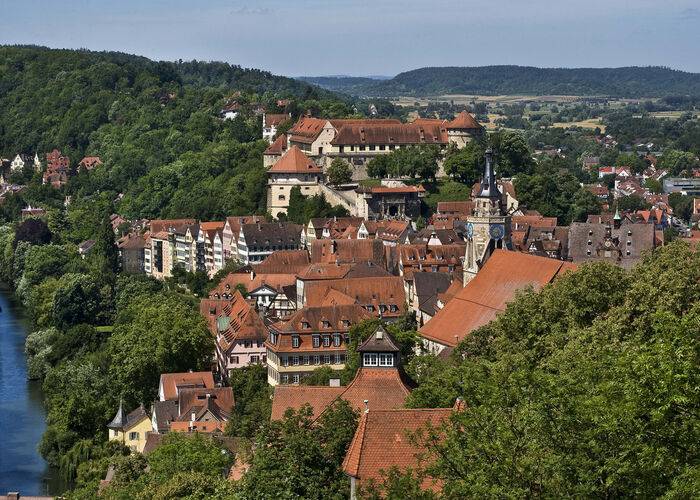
153 124
633 81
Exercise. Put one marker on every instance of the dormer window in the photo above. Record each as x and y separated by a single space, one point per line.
326 324
370 308
345 323
316 341
392 308
326 341
228 287
296 341
305 325
590 232
336 340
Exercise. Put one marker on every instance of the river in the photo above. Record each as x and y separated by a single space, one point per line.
22 417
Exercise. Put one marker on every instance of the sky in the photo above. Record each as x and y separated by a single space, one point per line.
369 37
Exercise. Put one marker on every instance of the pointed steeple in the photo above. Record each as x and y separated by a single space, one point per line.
119 420
489 189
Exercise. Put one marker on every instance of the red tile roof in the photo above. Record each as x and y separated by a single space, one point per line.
375 291
158 226
306 130
382 388
171 381
488 293
381 441
463 121
283 262
278 147
294 162
347 251
274 120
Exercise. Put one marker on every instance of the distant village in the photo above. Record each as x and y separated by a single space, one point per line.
300 288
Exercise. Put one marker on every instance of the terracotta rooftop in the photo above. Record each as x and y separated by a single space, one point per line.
382 388
170 382
167 224
275 120
294 162
463 121
283 262
217 400
488 293
348 251
383 133
306 129
378 292
382 441
277 147
233 319
455 207
315 316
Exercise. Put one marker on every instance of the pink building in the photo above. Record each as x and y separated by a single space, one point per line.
240 332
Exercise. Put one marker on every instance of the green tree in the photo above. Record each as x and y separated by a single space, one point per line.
253 400
338 172
79 298
632 202
379 166
162 335
33 231
184 453
674 161
104 252
511 154
467 165
654 186
574 390
302 457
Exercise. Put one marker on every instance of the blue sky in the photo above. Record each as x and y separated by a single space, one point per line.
364 37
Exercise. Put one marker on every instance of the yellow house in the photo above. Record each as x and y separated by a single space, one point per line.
132 429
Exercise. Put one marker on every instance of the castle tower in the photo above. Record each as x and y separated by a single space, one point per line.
489 227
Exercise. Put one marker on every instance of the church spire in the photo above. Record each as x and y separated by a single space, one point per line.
489 189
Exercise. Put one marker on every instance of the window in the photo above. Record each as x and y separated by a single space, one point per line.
346 323
337 359
316 341
386 360
233 360
629 243
590 242
285 379
370 308
347 338
317 360
116 433
327 359
248 344
295 360
326 324
326 341
304 325
306 360
255 359
133 435
285 361
627 252
281 197
336 340
370 359
588 252
392 307
295 378
295 341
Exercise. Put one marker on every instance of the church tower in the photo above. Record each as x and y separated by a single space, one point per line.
489 227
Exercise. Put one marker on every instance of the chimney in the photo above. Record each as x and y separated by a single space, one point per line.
334 382
366 406
252 275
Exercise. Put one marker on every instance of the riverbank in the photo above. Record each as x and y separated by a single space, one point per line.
22 416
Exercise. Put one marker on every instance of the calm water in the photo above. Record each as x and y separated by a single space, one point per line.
22 417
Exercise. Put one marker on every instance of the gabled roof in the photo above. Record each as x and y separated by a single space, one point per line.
381 442
295 162
379 292
158 226
382 388
379 341
348 251
271 233
172 381
274 120
315 316
233 319
389 133
488 293
306 130
283 262
278 146
218 401
165 412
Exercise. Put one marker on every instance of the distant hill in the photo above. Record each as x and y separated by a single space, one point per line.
353 85
634 81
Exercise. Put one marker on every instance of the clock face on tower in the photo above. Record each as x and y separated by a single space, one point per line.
470 230
496 231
